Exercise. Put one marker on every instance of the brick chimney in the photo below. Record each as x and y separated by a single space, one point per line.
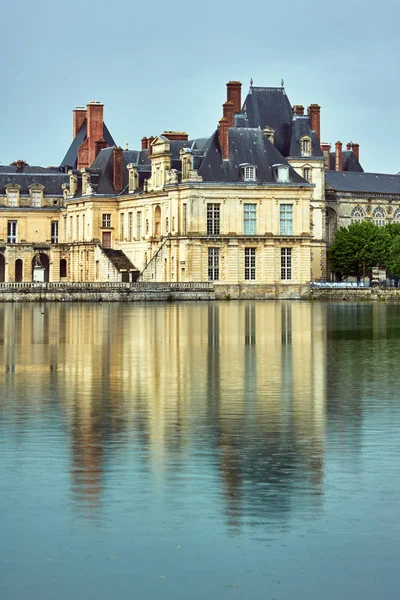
326 151
229 110
356 150
314 112
94 127
100 144
179 136
117 172
338 156
224 137
78 116
149 142
144 143
298 109
348 146
234 95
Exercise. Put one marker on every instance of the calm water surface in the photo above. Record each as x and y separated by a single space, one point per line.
198 450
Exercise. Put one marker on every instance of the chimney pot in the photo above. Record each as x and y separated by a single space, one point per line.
356 150
314 112
144 143
228 112
234 95
298 109
338 157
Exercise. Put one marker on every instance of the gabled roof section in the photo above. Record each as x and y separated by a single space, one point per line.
375 183
246 146
271 107
70 160
51 178
301 127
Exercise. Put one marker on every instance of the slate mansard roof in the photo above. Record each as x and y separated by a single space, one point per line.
70 160
373 183
51 178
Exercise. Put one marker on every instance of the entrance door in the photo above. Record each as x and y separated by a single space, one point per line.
18 270
106 239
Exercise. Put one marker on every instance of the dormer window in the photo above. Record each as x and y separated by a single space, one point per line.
305 146
249 172
281 173
36 192
12 195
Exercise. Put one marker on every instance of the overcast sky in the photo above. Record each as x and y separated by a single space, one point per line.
164 65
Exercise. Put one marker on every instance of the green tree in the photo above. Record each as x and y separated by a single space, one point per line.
393 260
360 247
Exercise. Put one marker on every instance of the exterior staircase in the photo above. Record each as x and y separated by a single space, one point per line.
122 264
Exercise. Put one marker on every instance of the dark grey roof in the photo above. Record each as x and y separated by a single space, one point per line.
349 162
301 127
70 160
51 178
271 107
246 146
374 183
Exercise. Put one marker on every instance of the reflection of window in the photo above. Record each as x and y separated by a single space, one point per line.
249 263
286 219
213 219
379 217
250 219
54 232
106 220
286 263
357 215
307 174
11 232
213 264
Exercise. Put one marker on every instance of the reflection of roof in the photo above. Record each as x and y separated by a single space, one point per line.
71 157
51 179
378 183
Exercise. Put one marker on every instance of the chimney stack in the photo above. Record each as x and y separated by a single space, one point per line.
78 116
314 111
149 142
229 110
356 150
298 109
94 127
173 136
326 151
100 144
144 143
234 95
224 137
117 172
348 146
338 156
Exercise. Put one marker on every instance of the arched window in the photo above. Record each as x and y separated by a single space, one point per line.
357 215
157 221
396 216
379 217
305 145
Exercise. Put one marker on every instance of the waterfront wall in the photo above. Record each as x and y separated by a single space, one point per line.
355 294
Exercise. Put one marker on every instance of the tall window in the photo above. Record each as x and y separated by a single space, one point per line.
286 219
11 232
286 263
307 174
12 197
71 229
54 232
78 233
357 215
36 198
122 232
213 264
130 226
249 173
106 220
184 219
305 145
250 219
379 217
83 227
213 219
139 225
396 215
249 263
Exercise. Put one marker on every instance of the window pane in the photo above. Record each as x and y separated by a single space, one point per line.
286 219
12 232
213 264
286 263
213 220
250 219
249 263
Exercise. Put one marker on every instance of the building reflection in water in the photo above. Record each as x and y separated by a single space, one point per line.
235 391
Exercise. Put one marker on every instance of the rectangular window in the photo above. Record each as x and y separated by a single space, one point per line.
11 232
286 263
213 219
250 173
12 198
83 227
36 198
286 219
54 232
250 219
77 228
307 174
122 232
130 226
106 220
213 264
71 229
139 225
249 263
184 220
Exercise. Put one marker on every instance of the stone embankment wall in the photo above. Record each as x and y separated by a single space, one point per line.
356 294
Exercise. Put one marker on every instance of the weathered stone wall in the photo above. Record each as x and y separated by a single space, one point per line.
356 295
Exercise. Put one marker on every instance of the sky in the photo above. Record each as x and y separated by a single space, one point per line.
163 66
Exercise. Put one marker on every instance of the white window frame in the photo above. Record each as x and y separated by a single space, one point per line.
357 215
307 173
213 218
250 264
286 264
106 220
249 173
250 219
213 264
54 232
286 219
13 197
12 231
379 216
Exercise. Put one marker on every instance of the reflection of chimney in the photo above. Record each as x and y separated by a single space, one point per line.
234 95
298 109
224 137
117 174
79 115
338 156
356 150
314 112
229 110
